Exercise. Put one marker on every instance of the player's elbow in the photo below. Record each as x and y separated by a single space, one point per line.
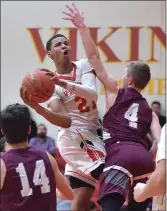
67 122
64 122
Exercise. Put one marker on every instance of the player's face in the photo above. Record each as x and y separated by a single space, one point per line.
60 50
126 80
156 108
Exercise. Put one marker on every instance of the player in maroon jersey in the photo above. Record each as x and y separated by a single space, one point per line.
128 120
29 176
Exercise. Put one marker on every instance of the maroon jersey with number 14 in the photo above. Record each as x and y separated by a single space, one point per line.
29 183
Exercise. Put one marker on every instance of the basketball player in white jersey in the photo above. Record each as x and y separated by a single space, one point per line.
79 145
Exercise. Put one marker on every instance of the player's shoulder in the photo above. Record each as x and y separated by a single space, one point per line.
83 65
35 151
130 92
80 62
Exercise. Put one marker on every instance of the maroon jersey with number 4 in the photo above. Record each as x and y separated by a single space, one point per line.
29 183
130 117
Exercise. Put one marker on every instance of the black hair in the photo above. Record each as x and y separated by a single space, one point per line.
15 123
49 42
140 72
156 102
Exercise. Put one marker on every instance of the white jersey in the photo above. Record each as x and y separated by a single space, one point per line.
80 145
83 112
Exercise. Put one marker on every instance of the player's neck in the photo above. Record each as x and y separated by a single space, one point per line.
64 68
130 86
17 146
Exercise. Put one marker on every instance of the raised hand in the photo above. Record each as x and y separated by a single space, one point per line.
59 82
74 16
56 80
53 78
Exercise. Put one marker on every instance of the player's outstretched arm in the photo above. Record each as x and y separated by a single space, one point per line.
156 185
64 189
91 50
58 116
155 133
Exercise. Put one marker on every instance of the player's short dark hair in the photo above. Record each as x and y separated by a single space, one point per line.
156 102
140 72
49 42
15 122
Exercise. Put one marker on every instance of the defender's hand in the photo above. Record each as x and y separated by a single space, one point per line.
74 16
139 192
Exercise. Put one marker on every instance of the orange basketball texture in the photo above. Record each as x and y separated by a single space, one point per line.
38 85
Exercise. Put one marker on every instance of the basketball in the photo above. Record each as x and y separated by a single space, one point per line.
38 85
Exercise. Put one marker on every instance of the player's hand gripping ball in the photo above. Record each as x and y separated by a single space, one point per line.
38 85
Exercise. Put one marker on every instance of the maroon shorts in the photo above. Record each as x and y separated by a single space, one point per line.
125 162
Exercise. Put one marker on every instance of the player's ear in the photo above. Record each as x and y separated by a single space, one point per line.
130 81
49 54
29 129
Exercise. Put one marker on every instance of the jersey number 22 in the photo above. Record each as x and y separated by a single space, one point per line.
82 105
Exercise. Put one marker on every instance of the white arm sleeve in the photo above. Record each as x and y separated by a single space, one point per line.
161 145
88 88
88 79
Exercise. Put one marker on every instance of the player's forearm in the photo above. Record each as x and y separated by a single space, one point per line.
153 149
156 185
93 56
54 118
59 195
88 43
81 90
92 52
64 190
